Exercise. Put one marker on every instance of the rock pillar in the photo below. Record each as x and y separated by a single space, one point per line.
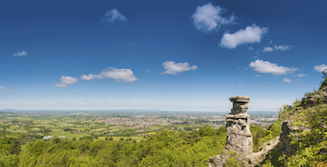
239 137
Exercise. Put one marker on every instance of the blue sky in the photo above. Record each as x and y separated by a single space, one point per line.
167 55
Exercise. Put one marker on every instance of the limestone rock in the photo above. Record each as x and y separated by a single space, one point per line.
314 99
239 137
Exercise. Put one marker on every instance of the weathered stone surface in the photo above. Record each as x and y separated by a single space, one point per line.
254 158
239 137
315 98
239 142
240 104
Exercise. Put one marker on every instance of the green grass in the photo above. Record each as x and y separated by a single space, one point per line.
114 130
98 130
154 127
67 134
12 129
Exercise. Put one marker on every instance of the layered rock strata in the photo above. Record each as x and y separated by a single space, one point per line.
239 137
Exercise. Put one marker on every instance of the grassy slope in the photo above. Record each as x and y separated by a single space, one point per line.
307 142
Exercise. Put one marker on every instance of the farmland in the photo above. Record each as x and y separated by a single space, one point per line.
131 126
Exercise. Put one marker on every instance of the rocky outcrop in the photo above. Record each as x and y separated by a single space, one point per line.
239 137
315 98
239 142
257 157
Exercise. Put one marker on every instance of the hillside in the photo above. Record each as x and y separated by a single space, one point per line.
303 141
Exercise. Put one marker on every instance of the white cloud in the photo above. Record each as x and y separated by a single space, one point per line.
251 34
66 80
87 77
2 87
265 83
20 54
283 47
239 84
61 85
123 74
267 67
113 15
208 17
267 49
174 68
320 68
250 48
301 75
287 80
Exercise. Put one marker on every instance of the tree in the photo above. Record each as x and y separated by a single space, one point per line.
15 147
324 83
324 73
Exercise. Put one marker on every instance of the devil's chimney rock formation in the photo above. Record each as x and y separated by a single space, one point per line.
239 137
239 143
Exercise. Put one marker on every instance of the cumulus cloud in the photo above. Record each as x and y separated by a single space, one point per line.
251 34
174 68
301 75
283 47
320 68
65 80
287 80
267 67
208 17
68 80
87 77
267 49
2 87
113 15
20 54
120 75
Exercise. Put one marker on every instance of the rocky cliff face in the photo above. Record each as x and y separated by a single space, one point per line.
315 98
304 133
